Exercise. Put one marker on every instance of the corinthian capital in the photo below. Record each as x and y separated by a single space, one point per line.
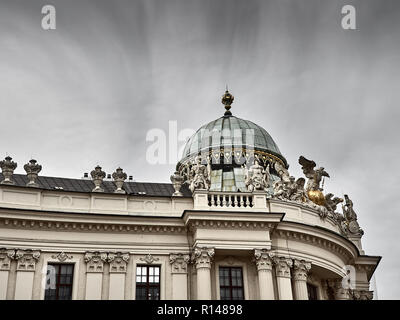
27 259
5 258
179 262
95 261
263 259
202 257
363 295
282 266
118 262
301 269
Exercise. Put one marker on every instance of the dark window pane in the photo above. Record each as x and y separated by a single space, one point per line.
59 281
231 283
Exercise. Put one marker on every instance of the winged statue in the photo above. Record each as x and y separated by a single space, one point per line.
314 175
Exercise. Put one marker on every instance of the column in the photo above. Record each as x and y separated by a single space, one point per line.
5 265
26 266
118 265
300 272
94 274
282 268
179 264
363 295
202 258
263 259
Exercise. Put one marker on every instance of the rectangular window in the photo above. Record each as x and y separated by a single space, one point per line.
231 283
59 280
147 282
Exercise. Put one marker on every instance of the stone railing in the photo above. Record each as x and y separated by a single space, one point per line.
238 201
230 199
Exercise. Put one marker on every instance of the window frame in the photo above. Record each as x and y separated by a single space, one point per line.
73 259
58 277
147 285
231 286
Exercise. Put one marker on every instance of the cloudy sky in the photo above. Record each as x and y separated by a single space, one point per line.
88 92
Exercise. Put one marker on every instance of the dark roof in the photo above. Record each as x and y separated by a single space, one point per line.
87 185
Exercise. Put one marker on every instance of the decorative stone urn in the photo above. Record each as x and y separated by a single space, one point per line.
177 181
7 169
32 170
98 175
119 177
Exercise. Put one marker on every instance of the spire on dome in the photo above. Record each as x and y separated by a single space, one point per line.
227 100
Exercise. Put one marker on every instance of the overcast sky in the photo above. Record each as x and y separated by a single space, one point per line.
88 92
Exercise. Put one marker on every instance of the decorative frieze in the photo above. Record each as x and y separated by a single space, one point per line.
7 169
301 269
179 262
26 259
263 259
5 259
95 261
282 266
118 262
62 256
32 169
149 259
202 257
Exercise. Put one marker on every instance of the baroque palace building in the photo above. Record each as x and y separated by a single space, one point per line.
232 225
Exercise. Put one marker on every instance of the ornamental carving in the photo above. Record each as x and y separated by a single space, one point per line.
98 175
119 177
7 169
362 295
149 259
202 257
301 269
256 177
282 266
179 262
26 259
263 259
95 261
5 259
118 262
199 175
62 256
339 292
32 169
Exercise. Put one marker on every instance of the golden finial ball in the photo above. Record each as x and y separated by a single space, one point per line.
227 98
317 197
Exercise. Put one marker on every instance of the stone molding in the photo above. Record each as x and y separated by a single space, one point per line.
179 262
283 266
263 259
301 269
6 255
203 257
89 226
26 259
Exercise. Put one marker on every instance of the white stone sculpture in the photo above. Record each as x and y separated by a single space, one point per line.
98 175
119 177
199 176
32 169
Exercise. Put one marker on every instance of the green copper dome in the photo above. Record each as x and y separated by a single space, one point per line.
231 132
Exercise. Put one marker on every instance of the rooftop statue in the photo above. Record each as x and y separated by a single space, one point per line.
349 220
313 188
199 175
331 203
256 178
